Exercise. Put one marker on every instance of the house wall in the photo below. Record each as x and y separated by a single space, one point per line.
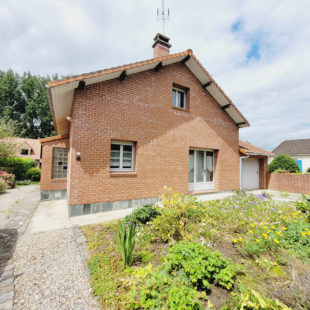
140 109
289 182
52 188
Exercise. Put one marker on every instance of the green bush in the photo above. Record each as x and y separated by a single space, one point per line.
142 215
201 265
33 174
19 166
3 186
308 170
283 162
304 206
126 242
145 256
177 212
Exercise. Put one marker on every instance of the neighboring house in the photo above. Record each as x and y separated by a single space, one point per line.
127 132
297 149
29 148
253 166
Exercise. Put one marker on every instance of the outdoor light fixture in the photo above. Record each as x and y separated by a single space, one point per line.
68 118
78 156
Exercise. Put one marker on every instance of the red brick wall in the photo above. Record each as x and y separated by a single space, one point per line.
293 183
140 109
47 183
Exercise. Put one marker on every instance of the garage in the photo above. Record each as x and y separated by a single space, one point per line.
250 173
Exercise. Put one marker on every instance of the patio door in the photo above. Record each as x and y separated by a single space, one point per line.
201 170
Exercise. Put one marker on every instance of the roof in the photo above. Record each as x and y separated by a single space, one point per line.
48 139
60 92
292 147
247 148
34 144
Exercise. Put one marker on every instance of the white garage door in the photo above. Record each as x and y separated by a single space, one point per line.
250 173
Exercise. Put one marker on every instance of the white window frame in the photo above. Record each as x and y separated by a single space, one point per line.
179 90
121 144
205 185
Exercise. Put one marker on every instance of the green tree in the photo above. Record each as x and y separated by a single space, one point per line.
7 146
283 162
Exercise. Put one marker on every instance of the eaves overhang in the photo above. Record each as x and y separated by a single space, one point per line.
60 92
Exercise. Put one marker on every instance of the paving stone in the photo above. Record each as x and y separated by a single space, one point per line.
5 297
6 275
8 305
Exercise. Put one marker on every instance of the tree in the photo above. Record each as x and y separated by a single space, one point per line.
283 162
7 146
23 100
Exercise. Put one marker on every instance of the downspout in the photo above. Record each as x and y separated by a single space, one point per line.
242 157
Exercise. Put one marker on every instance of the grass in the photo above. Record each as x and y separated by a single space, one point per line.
269 242
26 182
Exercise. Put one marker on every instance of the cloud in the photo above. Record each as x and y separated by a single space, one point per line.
258 51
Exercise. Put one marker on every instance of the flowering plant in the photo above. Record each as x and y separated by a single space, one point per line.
8 178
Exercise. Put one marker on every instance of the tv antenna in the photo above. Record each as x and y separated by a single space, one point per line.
163 14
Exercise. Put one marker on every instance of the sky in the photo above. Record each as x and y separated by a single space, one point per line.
258 51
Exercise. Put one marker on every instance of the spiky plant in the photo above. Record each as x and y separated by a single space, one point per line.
125 239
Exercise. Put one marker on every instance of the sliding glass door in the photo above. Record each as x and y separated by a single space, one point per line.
201 170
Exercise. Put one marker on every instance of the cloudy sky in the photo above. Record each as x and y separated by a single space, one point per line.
257 50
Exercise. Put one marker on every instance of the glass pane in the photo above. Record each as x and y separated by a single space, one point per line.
127 156
191 166
199 166
209 166
181 100
60 163
174 98
115 156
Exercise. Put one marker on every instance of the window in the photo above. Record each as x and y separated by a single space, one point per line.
24 152
122 156
179 98
60 163
201 170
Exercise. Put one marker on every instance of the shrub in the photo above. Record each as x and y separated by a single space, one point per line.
200 265
19 166
3 186
308 170
283 162
145 256
33 174
142 215
177 212
304 206
8 178
126 242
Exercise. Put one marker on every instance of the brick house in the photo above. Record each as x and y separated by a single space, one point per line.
127 132
28 148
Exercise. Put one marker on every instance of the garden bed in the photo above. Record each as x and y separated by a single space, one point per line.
243 251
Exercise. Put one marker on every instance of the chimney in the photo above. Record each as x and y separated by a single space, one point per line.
161 45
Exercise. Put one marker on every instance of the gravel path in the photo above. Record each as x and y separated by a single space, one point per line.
49 273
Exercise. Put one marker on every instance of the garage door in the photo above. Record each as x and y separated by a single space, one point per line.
250 173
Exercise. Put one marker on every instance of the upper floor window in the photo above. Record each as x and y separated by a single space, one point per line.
179 98
122 156
24 152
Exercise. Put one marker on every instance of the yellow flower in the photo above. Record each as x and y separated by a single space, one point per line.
275 263
251 231
262 223
265 236
266 228
276 241
284 228
269 230
300 216
279 234
252 225
294 221
308 233
285 217
303 234
240 239
257 240
235 240
272 227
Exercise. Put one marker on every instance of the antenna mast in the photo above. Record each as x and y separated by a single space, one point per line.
163 14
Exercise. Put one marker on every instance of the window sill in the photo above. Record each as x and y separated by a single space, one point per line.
210 191
125 174
180 109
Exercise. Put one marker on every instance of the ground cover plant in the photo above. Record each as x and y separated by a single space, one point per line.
243 252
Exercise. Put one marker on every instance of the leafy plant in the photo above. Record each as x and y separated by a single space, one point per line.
304 206
142 215
201 265
145 256
126 242
177 211
250 300
18 165
33 174
3 186
283 162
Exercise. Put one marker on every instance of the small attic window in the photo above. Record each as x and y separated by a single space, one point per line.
24 152
179 97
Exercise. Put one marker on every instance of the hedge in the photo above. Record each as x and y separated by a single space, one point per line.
18 166
33 174
283 162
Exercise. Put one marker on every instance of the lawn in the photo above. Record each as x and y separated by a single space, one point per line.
245 252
